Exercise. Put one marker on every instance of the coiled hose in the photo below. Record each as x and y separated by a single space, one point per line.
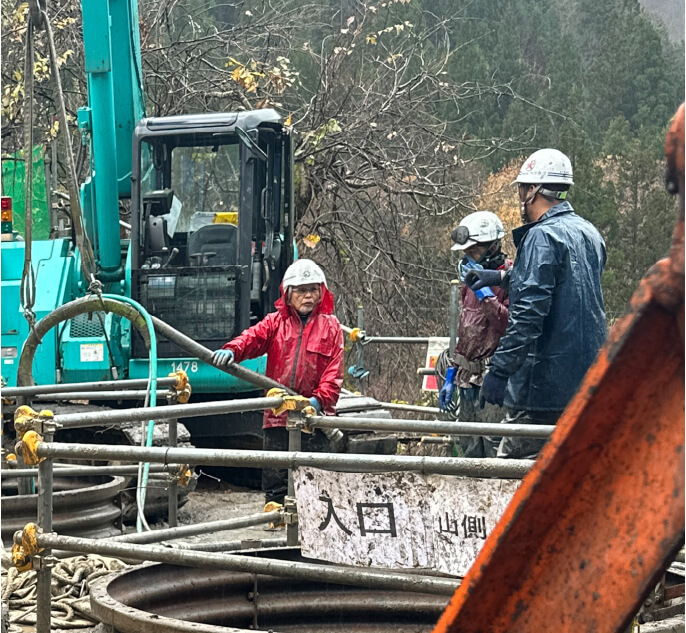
122 306
443 362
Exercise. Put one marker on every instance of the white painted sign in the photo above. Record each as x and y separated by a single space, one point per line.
92 352
397 520
436 345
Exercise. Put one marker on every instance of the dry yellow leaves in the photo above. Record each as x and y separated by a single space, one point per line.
54 129
500 196
311 240
246 78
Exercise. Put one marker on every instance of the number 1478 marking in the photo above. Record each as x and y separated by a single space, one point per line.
185 365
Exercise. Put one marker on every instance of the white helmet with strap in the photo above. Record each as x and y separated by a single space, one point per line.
547 167
480 227
301 273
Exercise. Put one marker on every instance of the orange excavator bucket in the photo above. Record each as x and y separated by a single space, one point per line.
599 518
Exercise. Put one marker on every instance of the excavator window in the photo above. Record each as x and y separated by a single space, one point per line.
212 229
206 180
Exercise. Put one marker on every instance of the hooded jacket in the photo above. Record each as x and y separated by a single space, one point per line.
557 320
307 357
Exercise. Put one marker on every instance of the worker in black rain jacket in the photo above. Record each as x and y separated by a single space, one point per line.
556 321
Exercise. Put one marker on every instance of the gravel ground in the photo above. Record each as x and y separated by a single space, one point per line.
215 500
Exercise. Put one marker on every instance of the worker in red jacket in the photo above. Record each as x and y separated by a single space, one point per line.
303 341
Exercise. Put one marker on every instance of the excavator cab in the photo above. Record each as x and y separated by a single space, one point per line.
212 222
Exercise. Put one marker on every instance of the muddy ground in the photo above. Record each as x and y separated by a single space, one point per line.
215 500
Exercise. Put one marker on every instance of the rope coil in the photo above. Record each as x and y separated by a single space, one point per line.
71 579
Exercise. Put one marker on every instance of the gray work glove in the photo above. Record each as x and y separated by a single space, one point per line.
478 279
222 358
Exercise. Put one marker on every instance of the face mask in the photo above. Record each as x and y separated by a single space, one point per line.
522 205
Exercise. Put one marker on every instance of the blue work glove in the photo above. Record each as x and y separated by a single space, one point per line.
445 395
484 292
478 279
222 358
492 389
467 265
316 404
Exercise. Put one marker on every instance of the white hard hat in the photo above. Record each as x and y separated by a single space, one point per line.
302 272
546 166
478 227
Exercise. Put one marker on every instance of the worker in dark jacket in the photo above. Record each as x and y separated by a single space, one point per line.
557 319
303 341
483 319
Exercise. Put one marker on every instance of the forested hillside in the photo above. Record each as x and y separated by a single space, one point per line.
670 14
406 112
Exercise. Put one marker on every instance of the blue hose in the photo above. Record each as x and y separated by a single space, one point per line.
152 391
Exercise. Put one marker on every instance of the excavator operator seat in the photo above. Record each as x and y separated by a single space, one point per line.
157 205
213 245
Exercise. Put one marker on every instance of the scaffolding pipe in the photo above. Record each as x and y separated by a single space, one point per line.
44 570
133 394
360 346
173 488
294 445
393 406
232 546
454 314
170 534
343 575
432 426
402 340
90 471
426 371
202 353
136 383
459 466
101 418
430 439
362 337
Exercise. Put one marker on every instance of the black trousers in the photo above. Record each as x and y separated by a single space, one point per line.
275 480
470 411
525 447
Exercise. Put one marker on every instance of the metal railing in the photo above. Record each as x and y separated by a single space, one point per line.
132 546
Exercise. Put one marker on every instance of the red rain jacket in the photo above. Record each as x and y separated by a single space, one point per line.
308 359
481 325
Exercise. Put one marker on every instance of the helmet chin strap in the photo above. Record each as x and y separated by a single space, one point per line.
492 257
528 200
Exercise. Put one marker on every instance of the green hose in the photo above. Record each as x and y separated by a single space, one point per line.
152 391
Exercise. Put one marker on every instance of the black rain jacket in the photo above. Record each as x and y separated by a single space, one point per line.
557 320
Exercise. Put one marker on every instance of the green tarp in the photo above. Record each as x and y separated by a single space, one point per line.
13 185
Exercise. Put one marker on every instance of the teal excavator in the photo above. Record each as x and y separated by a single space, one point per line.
209 237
